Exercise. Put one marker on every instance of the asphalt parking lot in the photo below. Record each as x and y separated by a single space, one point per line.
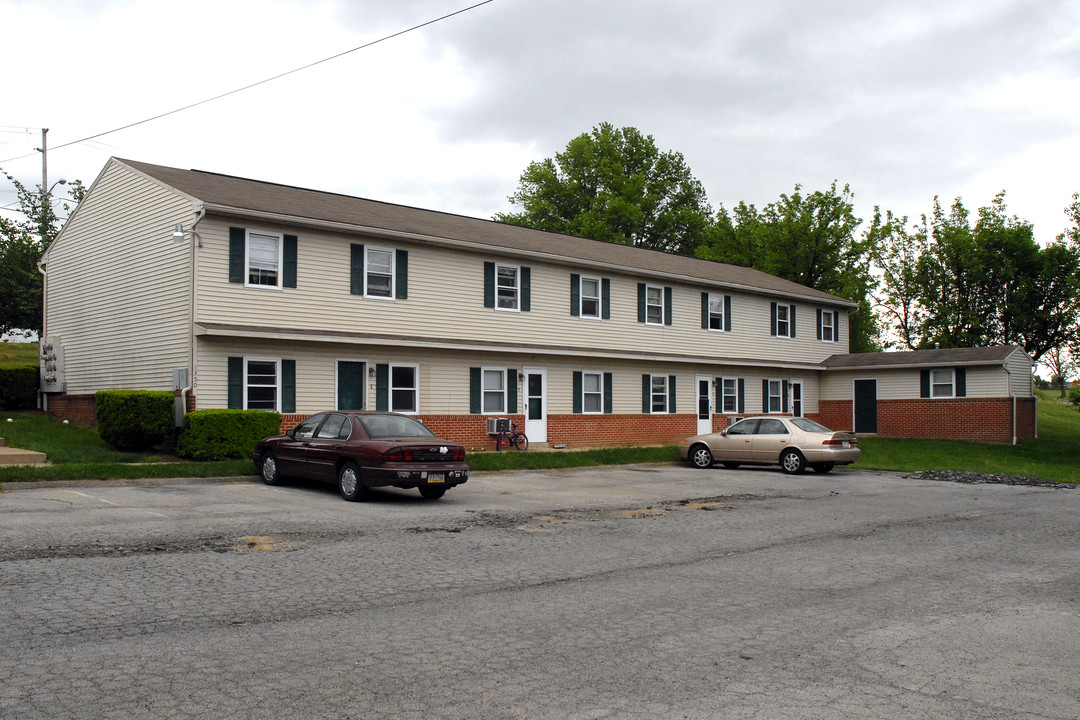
634 591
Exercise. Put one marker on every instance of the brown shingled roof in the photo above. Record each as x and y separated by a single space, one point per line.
915 358
224 192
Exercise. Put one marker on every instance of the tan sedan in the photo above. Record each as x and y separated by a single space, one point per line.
791 442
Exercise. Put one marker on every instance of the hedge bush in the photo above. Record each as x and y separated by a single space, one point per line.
18 387
225 434
134 419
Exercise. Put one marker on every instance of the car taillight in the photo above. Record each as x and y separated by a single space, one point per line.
834 441
396 455
459 454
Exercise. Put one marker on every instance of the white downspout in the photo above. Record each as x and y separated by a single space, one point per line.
196 241
1013 396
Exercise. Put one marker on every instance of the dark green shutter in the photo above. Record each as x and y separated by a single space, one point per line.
237 240
742 396
961 382
671 394
668 310
288 278
401 281
526 289
727 313
641 302
783 396
772 318
819 314
791 321
924 383
578 389
646 394
474 390
236 383
382 387
288 386
764 396
718 394
356 269
609 394
489 284
704 311
511 391
836 326
605 291
575 294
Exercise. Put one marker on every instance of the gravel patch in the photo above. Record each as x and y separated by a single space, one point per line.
974 478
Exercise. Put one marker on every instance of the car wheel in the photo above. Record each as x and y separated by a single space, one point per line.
822 467
730 466
349 483
701 456
431 493
268 465
792 462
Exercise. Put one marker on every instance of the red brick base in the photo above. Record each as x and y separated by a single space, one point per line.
81 409
986 420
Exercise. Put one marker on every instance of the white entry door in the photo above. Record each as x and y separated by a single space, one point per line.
536 404
704 404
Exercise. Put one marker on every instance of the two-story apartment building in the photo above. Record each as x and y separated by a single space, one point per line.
288 299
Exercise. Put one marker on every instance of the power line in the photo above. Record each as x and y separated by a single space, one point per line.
263 82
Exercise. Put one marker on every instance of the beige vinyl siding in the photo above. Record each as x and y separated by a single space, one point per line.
446 302
904 384
444 376
1021 383
118 286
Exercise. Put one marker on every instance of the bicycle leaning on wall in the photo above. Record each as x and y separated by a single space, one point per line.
511 438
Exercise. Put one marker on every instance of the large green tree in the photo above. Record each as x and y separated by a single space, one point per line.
954 283
22 243
614 184
810 239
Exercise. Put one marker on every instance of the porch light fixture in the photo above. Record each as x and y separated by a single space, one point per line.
179 234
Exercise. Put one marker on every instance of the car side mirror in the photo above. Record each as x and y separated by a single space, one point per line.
291 432
723 433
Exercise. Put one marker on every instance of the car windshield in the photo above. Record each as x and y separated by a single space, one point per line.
393 426
809 425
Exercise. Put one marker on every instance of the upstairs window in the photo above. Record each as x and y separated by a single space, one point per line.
590 297
263 259
379 279
506 287
828 325
715 312
782 320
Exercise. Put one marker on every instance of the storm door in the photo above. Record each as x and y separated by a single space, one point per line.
536 404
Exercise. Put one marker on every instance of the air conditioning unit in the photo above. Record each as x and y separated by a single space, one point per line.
498 425
732 420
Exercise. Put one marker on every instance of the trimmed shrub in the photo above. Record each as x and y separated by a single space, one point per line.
134 419
1074 396
18 387
225 434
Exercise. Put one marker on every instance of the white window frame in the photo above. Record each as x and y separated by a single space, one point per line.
660 305
777 396
598 394
516 288
598 298
827 318
248 359
786 309
934 383
720 315
662 394
279 268
733 396
500 392
368 249
337 379
415 388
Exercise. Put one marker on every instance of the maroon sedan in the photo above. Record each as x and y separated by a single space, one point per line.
361 450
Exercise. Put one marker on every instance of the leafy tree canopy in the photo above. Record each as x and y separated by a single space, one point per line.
614 185
22 243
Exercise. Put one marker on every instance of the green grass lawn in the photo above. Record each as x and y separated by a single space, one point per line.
15 354
75 452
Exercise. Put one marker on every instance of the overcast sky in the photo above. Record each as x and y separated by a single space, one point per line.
901 100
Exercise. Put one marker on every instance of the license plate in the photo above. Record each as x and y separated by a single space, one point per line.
846 444
433 477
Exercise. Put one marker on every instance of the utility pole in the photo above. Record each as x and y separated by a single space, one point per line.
44 163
